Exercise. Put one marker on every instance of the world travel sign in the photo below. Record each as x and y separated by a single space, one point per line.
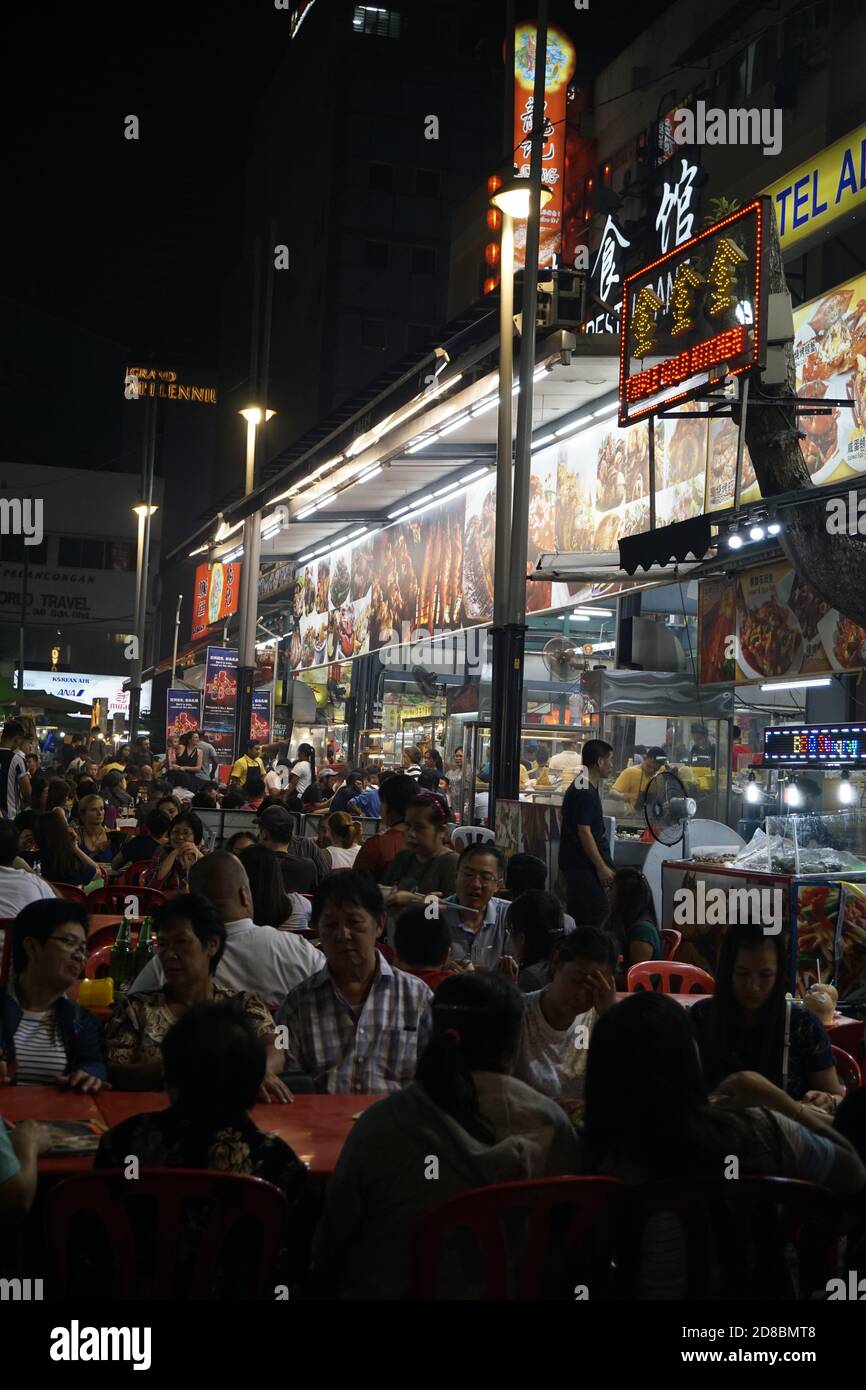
694 315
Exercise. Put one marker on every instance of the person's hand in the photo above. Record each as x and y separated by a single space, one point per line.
823 1101
83 1081
603 988
605 876
73 834
508 967
460 965
31 1134
404 899
744 1089
273 1090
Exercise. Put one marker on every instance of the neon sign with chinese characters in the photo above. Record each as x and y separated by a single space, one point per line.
683 322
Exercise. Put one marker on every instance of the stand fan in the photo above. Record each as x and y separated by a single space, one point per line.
668 810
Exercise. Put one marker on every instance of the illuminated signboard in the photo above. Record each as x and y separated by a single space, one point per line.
816 744
812 198
559 67
153 381
696 314
216 595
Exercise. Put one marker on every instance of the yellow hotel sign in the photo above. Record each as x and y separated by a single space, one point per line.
813 197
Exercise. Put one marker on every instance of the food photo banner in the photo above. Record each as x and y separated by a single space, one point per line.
220 700
216 595
182 712
782 629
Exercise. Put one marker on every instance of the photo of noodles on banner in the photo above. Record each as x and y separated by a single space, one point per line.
782 628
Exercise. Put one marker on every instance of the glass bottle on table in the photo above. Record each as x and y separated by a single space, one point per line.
122 965
145 948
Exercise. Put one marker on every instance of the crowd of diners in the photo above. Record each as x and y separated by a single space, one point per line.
449 982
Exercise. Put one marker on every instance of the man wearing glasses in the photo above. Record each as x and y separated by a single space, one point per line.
476 922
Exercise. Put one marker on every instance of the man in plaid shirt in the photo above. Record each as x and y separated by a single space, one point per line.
358 1025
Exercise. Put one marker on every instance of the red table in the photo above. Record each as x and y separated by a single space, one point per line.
316 1127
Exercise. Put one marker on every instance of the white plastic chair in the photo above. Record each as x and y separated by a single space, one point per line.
463 835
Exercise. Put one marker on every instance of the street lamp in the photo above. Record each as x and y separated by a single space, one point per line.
255 416
144 511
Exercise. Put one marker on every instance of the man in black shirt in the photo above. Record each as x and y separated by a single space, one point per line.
584 854
302 863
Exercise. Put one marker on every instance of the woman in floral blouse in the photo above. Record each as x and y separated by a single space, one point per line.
191 942
170 867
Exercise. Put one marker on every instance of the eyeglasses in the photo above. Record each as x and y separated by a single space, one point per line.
486 879
73 944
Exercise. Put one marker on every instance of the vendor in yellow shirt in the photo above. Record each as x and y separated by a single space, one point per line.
242 767
633 781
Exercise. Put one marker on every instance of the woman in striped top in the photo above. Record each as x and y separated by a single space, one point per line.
45 1038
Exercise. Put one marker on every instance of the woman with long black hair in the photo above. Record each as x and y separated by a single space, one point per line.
466 1112
303 769
632 919
744 1024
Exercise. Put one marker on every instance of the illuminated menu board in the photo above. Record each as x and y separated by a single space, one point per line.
838 744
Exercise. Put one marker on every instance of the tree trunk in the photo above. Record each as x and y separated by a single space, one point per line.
834 566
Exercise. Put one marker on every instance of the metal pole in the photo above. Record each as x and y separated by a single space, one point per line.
176 632
651 440
516 623
741 441
135 681
21 628
504 466
250 566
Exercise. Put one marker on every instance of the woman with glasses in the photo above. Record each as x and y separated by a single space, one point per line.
45 1038
191 939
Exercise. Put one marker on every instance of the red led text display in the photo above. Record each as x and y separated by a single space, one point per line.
694 315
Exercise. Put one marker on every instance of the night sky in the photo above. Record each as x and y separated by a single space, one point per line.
132 239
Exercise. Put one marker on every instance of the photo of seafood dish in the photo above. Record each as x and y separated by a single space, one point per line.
610 473
830 310
807 606
844 642
298 598
362 627
395 590
857 391
362 568
574 517
440 597
722 471
295 647
608 532
323 580
770 640
636 463
340 582
718 615
320 638
478 559
309 591
345 629
308 646
821 431
333 635
685 450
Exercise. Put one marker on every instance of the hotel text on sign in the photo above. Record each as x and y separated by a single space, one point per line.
694 315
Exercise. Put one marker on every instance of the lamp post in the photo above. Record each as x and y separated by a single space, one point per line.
249 595
144 511
514 203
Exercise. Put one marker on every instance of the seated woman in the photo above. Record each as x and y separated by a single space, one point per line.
741 1027
191 942
92 834
427 864
649 1117
632 918
341 847
272 905
49 1039
536 925
242 839
215 1063
149 839
60 797
466 1108
170 866
61 858
561 1017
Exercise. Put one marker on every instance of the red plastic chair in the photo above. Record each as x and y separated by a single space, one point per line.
120 1216
72 893
131 875
736 1237
566 1230
114 899
97 964
691 980
847 1069
671 942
